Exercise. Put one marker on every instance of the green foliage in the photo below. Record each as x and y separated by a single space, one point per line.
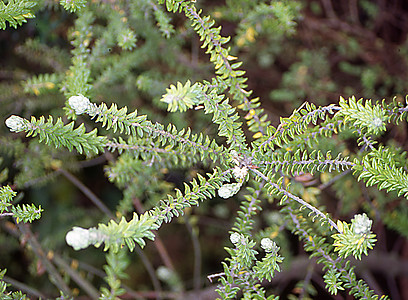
228 75
16 12
181 98
6 195
116 265
322 250
264 19
368 117
26 213
127 40
243 268
22 213
41 84
351 241
379 167
73 5
4 295
266 268
59 134
107 98
116 235
333 284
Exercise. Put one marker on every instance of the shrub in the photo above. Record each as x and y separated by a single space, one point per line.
328 174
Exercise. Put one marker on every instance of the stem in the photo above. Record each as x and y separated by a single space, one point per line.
24 288
306 281
296 198
84 284
6 215
150 271
40 252
95 200
197 256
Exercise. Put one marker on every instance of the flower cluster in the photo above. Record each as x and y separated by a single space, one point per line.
16 123
240 173
80 104
80 238
269 246
361 224
235 238
229 190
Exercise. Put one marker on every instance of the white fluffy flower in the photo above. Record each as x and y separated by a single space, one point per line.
240 173
79 103
164 273
361 224
78 238
15 123
267 244
235 238
229 190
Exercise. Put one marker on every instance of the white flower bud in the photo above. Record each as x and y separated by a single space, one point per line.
78 238
268 245
361 224
15 123
240 173
79 103
235 238
228 190
164 273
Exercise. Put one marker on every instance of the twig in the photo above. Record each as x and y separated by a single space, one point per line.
210 277
55 276
101 274
334 179
95 200
6 215
197 256
329 9
151 272
296 198
306 281
82 282
24 288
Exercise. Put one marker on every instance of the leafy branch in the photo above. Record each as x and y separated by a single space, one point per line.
21 213
16 12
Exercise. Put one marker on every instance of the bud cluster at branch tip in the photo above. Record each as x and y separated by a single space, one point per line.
268 245
79 103
240 173
15 123
80 238
229 190
361 224
235 238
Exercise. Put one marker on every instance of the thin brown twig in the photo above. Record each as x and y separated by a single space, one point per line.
91 196
40 253
197 256
24 288
80 280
